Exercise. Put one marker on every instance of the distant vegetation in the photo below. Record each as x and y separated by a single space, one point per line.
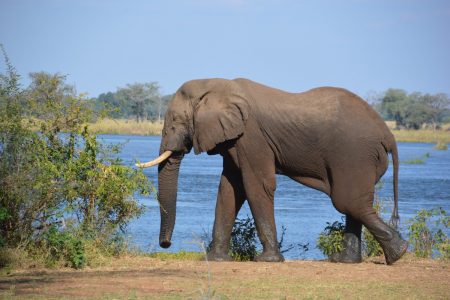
138 101
414 110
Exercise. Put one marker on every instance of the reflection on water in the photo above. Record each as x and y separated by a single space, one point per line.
303 211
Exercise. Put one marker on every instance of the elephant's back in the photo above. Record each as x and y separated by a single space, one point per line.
343 111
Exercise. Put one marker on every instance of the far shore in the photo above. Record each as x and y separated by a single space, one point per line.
148 128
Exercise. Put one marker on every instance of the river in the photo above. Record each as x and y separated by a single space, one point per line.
303 211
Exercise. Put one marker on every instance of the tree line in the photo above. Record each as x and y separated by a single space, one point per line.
143 101
139 101
413 110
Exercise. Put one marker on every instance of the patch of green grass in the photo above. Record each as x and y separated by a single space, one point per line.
414 161
417 160
181 255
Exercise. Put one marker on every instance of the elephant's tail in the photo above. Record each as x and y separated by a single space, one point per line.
395 217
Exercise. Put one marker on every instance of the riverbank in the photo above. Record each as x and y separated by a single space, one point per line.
143 277
422 136
126 127
131 127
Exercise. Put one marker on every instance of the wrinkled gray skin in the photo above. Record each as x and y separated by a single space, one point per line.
326 138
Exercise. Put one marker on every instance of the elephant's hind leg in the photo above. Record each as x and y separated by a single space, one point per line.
353 195
390 240
352 243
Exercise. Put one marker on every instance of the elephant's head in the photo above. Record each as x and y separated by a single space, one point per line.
203 114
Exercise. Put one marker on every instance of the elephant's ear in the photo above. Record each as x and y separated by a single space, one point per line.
218 118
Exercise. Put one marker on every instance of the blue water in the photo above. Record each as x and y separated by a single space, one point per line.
303 211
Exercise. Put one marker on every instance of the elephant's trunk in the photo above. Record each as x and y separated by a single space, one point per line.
167 195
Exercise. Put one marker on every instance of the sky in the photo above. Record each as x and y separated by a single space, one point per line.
366 46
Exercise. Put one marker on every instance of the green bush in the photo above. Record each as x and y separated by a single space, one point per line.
427 233
64 246
331 239
60 186
243 246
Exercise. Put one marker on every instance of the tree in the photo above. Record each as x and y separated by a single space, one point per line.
415 109
141 98
437 106
114 106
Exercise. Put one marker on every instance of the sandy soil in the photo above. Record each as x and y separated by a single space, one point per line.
147 278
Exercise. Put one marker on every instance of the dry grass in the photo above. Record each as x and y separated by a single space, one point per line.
123 126
138 277
422 136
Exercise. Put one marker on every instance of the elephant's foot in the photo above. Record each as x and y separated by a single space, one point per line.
269 257
394 249
348 255
218 256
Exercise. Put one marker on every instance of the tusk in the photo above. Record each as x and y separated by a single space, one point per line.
156 161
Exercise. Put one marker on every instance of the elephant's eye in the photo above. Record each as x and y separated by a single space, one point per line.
176 119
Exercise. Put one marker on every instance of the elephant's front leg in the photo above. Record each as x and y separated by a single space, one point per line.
258 175
230 198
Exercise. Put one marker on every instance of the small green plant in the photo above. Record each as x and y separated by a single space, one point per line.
417 160
243 246
331 239
64 246
441 145
427 233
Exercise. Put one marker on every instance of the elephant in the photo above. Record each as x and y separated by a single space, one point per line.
327 138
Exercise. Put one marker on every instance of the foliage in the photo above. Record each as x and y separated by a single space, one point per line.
60 187
141 101
427 233
243 240
62 245
331 239
417 160
414 109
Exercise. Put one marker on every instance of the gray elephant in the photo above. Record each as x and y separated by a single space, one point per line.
327 138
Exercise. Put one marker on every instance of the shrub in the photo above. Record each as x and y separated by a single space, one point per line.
331 239
60 187
64 246
427 233
243 240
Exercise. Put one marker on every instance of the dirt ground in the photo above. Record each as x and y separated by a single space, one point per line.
149 278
